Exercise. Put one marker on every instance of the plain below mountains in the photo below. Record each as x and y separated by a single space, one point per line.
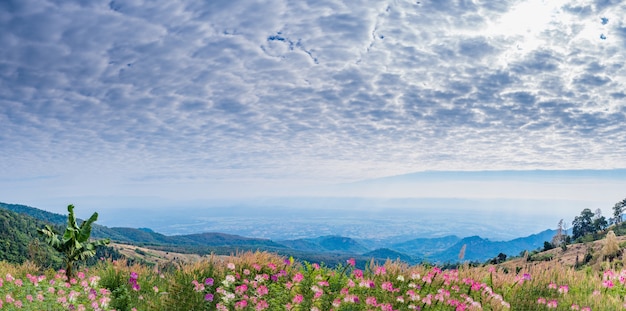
328 249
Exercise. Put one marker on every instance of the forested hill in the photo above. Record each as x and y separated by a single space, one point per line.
19 240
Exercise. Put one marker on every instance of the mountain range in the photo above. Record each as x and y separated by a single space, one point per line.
329 249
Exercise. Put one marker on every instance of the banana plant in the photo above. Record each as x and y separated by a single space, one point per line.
74 244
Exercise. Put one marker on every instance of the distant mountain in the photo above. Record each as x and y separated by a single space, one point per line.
329 243
418 248
330 249
383 254
479 249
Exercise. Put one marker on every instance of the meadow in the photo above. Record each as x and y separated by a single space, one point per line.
263 281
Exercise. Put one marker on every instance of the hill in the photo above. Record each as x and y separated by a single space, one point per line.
383 254
480 249
423 247
19 240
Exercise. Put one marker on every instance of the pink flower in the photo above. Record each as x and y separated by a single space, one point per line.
242 304
262 291
552 304
388 286
351 262
380 271
297 299
541 301
607 283
298 277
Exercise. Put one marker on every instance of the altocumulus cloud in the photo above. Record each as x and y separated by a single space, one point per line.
308 89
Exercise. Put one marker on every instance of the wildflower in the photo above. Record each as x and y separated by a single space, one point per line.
262 291
380 271
541 301
298 277
552 304
400 278
297 299
351 298
351 262
574 307
208 297
563 289
231 266
607 283
208 281
241 304
388 286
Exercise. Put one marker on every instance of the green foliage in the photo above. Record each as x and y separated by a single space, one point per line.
74 244
583 224
547 246
19 241
541 257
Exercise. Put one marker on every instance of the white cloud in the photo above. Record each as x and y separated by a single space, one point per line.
322 90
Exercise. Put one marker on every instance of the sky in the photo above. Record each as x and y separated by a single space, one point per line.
171 101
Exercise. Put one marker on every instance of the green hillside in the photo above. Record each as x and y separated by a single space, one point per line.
19 240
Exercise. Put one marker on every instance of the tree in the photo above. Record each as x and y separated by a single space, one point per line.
618 210
583 224
74 244
560 237
599 221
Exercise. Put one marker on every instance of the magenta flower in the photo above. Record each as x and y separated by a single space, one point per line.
208 297
208 281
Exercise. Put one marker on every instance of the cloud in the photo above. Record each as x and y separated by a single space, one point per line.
127 90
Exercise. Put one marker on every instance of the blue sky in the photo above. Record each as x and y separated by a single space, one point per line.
195 100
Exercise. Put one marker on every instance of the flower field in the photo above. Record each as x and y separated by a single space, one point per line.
262 281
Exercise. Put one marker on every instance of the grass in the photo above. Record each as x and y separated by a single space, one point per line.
263 281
